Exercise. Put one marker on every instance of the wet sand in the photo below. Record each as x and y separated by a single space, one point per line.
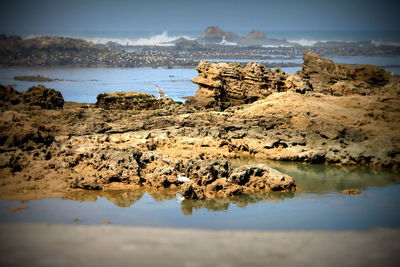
110 245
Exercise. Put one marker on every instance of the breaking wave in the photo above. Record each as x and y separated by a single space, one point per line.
162 39
225 42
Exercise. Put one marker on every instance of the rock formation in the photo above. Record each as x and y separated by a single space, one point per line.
225 84
36 96
325 76
216 34
131 100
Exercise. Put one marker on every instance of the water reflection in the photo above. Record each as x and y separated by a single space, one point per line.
120 198
310 179
187 206
322 179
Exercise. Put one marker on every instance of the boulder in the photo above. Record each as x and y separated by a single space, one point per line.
38 96
131 101
215 179
43 97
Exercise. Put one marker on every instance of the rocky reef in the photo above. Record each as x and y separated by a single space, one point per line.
35 78
130 140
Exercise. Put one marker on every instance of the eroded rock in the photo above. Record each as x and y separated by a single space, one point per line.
36 96
131 101
227 84
325 76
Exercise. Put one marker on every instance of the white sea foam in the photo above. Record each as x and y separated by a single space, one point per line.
304 42
267 46
379 43
162 39
225 42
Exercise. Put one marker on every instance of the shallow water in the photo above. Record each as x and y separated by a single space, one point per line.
317 204
84 84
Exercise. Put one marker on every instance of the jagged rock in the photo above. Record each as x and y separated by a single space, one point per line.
327 77
38 96
226 84
131 100
43 97
214 179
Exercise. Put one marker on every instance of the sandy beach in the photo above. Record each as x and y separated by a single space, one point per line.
111 245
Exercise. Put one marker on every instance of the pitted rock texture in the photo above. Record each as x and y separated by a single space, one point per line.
325 76
227 84
131 100
222 85
36 96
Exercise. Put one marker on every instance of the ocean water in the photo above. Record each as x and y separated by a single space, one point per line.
317 204
84 84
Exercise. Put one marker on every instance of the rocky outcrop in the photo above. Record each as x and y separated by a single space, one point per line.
36 96
226 84
131 100
325 76
216 34
215 179
222 85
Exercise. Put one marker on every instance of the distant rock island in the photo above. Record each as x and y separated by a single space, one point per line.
215 35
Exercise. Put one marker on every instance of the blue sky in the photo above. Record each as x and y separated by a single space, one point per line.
46 16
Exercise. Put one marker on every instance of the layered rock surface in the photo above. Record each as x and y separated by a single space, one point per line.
325 76
227 84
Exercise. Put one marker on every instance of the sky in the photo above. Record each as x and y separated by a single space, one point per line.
52 16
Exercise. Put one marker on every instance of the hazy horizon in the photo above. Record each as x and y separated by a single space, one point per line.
46 17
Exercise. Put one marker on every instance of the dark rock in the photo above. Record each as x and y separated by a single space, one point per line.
38 96
43 97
